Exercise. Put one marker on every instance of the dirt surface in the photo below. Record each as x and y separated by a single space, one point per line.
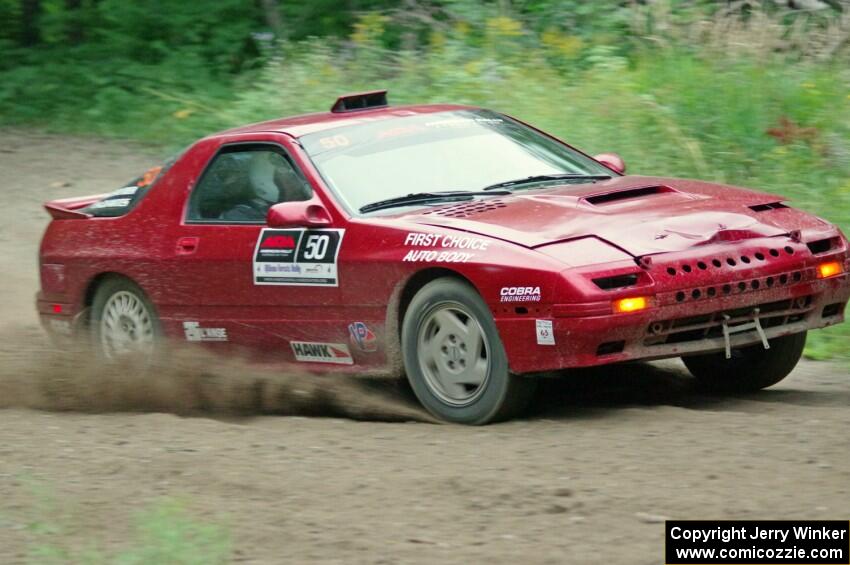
319 470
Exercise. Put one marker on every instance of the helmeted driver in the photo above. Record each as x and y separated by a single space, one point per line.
270 180
262 190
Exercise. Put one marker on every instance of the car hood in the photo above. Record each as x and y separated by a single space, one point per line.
640 215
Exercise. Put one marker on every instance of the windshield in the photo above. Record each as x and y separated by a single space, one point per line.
455 150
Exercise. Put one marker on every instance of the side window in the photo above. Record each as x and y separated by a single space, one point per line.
243 182
120 201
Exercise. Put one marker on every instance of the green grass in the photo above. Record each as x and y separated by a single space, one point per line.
165 532
672 110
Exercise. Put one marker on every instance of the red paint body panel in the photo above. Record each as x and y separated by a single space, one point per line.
686 235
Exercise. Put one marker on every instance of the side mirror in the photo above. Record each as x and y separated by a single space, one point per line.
305 214
612 161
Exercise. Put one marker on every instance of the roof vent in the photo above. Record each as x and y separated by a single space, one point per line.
360 101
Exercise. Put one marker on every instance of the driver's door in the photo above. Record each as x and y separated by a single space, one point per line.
235 282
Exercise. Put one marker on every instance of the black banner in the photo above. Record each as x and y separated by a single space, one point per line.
766 542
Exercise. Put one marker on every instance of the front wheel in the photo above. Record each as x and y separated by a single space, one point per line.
751 368
454 358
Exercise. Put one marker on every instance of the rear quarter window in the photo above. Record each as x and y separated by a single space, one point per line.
120 201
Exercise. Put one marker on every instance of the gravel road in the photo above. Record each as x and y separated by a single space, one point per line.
352 472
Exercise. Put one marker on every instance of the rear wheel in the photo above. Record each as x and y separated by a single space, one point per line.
454 358
123 321
750 368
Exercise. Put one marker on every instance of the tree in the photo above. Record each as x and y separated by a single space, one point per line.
74 29
30 29
271 14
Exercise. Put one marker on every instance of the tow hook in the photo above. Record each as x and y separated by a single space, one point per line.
755 324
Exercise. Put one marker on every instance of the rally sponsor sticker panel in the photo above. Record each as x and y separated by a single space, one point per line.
318 352
297 257
195 332
362 337
519 294
545 332
442 248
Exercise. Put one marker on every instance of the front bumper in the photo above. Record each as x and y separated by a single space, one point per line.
683 320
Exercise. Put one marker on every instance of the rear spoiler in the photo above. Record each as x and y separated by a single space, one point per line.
69 208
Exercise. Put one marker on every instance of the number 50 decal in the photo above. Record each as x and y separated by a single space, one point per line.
297 257
333 141
316 247
319 246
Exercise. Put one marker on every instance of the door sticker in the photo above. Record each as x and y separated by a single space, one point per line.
297 257
194 332
362 337
314 352
545 335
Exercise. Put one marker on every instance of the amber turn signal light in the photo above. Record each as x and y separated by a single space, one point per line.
632 304
829 269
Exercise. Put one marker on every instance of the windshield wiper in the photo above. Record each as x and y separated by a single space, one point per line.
540 178
423 197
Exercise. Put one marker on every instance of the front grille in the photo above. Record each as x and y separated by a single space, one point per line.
610 348
695 328
727 261
616 282
823 245
832 310
740 286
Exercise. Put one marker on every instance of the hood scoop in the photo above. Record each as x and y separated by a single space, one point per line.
467 209
605 198
768 206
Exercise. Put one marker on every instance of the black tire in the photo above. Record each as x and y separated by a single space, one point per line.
114 287
751 368
501 395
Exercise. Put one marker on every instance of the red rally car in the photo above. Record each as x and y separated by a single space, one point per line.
457 245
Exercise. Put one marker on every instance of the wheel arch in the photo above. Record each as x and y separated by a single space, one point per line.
419 280
510 393
99 280
82 318
96 281
399 303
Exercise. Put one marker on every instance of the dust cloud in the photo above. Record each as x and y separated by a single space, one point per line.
184 381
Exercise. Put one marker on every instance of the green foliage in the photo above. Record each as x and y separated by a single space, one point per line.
163 533
167 534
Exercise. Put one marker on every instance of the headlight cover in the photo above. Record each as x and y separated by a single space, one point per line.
583 252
